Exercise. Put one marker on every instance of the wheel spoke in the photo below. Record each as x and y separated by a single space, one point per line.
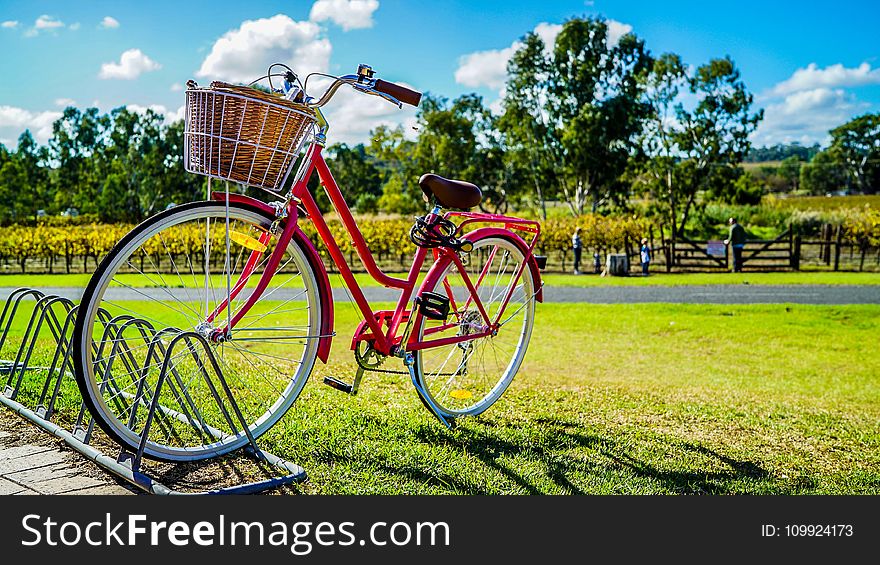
265 365
485 365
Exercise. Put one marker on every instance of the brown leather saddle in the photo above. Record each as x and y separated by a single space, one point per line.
450 193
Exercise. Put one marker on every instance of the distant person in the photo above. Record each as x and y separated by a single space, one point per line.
597 262
737 241
645 256
577 247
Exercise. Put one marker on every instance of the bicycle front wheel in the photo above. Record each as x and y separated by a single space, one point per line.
467 377
170 275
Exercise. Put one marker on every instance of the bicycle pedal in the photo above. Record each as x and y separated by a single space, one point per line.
432 305
337 384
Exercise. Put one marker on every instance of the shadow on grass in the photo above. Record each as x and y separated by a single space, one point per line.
681 481
544 448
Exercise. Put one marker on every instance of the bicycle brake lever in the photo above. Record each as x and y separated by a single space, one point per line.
389 98
369 90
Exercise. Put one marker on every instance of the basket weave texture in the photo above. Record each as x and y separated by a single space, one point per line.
243 134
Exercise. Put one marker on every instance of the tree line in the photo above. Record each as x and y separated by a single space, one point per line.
587 123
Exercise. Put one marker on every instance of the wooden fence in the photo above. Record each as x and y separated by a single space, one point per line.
789 251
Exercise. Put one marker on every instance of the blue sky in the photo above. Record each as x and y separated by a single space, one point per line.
811 65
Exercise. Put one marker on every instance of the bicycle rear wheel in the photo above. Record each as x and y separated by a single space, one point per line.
168 276
466 378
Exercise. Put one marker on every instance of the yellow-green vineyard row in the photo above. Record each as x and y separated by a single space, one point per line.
69 247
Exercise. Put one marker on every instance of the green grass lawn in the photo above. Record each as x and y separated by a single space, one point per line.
550 279
643 398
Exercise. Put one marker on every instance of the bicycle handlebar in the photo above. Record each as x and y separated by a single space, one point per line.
394 93
402 93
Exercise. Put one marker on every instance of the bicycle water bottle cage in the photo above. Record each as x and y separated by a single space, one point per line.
432 305
438 232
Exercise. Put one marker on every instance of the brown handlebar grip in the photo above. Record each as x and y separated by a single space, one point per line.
402 93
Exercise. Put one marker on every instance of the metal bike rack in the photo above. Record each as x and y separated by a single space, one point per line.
58 315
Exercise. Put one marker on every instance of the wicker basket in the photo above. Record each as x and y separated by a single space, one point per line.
243 134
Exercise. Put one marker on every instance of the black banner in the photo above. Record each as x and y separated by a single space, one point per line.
436 529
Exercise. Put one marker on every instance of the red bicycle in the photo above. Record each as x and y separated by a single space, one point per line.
200 328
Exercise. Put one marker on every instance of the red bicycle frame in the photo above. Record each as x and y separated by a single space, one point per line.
373 327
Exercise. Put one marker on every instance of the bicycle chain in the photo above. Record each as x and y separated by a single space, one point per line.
381 360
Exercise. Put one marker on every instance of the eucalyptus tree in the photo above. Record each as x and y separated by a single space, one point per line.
459 140
580 101
76 137
857 145
662 170
715 134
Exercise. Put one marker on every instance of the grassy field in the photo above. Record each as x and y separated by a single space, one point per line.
550 279
826 202
620 399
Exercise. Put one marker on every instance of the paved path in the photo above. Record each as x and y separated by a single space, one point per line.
32 462
696 294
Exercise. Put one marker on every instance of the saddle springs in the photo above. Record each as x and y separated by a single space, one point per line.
434 230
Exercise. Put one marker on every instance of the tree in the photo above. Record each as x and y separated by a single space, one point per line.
781 151
587 98
357 176
34 194
790 170
394 156
458 140
858 146
76 136
133 166
525 134
660 138
824 174
12 179
715 135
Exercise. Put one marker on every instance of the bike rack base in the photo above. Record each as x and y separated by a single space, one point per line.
122 467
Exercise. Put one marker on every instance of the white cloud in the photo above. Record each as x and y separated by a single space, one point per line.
9 24
74 26
812 101
109 22
616 30
15 120
44 22
176 87
547 33
485 68
806 116
489 68
64 102
47 22
245 53
168 115
348 14
832 76
131 65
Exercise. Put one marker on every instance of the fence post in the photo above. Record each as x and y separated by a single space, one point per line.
837 239
863 244
826 243
796 254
